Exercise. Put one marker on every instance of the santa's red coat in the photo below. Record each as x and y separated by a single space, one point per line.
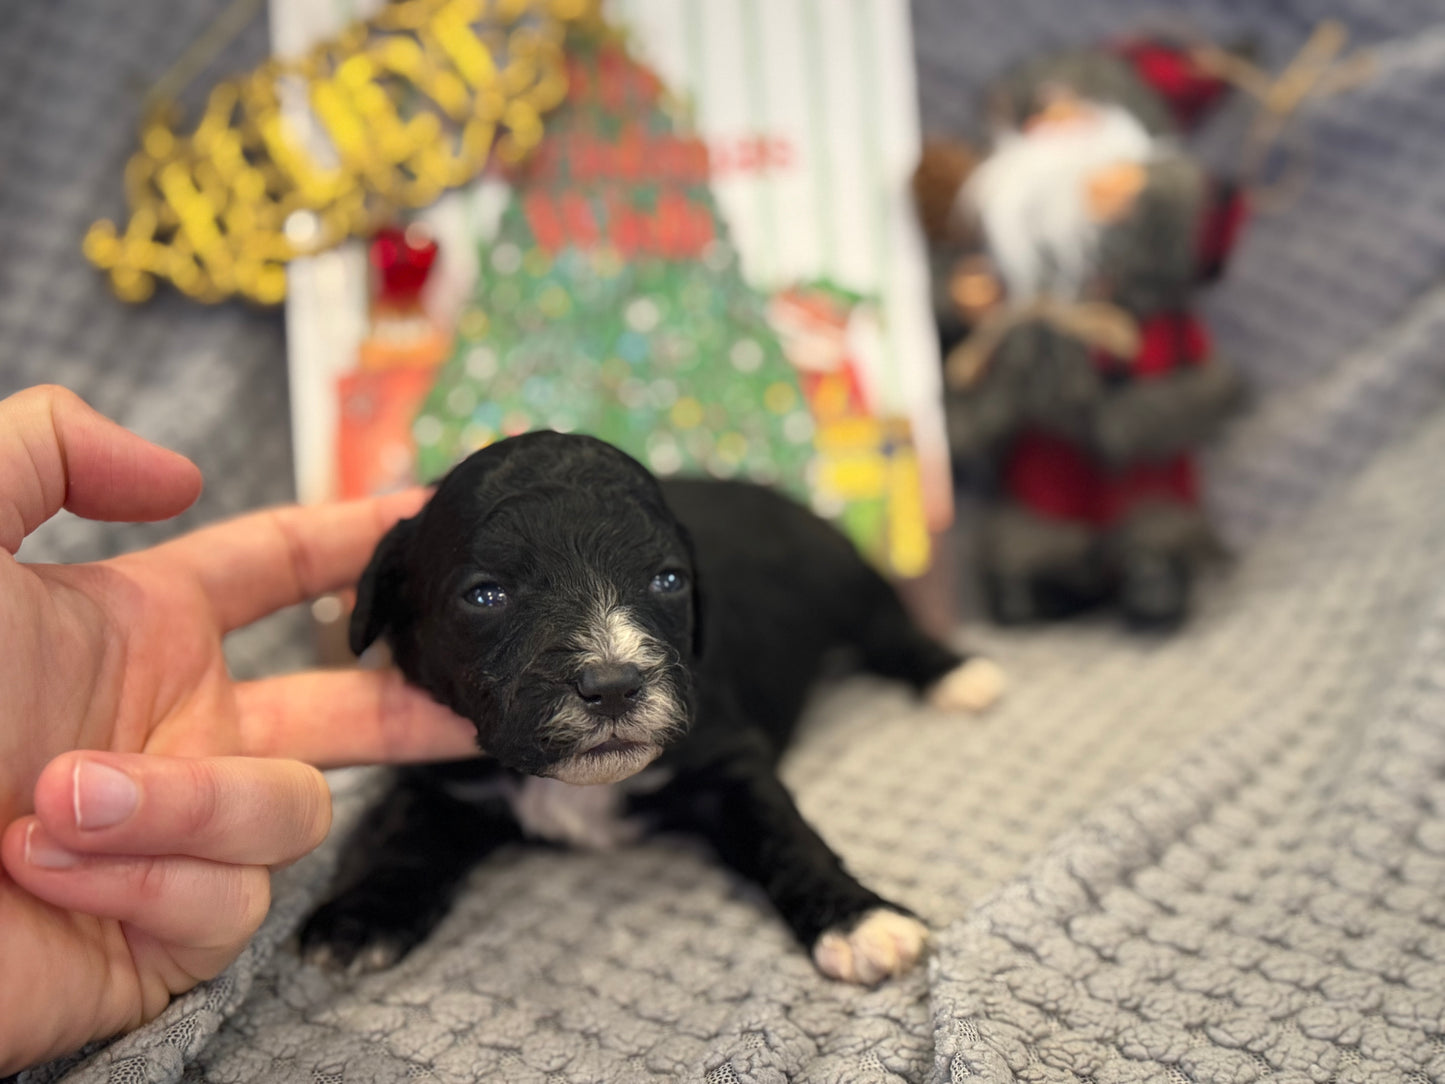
1060 480
1056 478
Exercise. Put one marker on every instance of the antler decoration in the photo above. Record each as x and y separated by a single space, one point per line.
296 156
1319 70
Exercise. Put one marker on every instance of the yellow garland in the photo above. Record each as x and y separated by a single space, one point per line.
409 104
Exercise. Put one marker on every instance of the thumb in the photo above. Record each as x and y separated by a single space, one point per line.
56 452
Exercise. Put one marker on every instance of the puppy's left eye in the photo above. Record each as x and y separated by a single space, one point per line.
489 596
669 582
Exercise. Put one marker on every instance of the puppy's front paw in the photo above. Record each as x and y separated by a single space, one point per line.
349 934
881 944
973 686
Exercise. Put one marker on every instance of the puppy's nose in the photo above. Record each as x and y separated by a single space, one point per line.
608 687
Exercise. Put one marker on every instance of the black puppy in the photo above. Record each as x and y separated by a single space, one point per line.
592 622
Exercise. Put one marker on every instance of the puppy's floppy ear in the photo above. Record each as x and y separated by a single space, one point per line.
378 595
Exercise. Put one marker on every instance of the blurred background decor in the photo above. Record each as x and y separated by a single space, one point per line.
1212 857
716 279
1078 239
307 150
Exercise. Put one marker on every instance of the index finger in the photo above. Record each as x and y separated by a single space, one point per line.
256 564
337 718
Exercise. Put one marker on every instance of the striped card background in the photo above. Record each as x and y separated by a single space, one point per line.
830 85
809 110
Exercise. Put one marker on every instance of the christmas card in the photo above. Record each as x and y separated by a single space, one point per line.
708 259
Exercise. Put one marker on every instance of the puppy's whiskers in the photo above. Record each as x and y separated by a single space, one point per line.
591 748
656 717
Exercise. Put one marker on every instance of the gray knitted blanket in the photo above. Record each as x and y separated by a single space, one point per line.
1218 857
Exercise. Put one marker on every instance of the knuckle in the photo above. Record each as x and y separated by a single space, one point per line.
313 808
252 898
202 810
155 883
394 711
47 396
297 555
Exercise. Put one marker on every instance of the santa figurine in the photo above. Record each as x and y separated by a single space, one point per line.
1082 381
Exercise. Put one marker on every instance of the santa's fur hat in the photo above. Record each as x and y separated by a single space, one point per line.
1160 83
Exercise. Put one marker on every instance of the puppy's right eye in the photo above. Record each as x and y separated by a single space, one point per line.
488 596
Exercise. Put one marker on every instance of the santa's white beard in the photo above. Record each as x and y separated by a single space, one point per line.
1030 195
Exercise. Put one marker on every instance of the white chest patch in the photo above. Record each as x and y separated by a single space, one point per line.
590 817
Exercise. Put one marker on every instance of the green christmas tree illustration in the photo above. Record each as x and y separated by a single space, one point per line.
611 302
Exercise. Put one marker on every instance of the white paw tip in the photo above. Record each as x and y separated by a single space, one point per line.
380 956
884 944
322 956
973 686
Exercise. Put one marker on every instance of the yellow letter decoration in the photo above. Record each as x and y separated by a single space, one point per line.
401 108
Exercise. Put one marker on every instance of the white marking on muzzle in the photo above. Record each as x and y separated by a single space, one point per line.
656 716
613 635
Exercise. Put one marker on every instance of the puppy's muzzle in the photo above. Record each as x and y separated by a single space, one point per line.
609 689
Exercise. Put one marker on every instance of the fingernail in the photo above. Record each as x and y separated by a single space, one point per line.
103 796
40 851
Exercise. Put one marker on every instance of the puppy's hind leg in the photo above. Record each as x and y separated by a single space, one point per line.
401 869
893 646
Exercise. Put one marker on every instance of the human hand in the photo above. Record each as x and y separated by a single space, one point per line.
147 795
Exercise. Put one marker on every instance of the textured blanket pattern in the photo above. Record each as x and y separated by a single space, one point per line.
1267 906
1271 908
1219 857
